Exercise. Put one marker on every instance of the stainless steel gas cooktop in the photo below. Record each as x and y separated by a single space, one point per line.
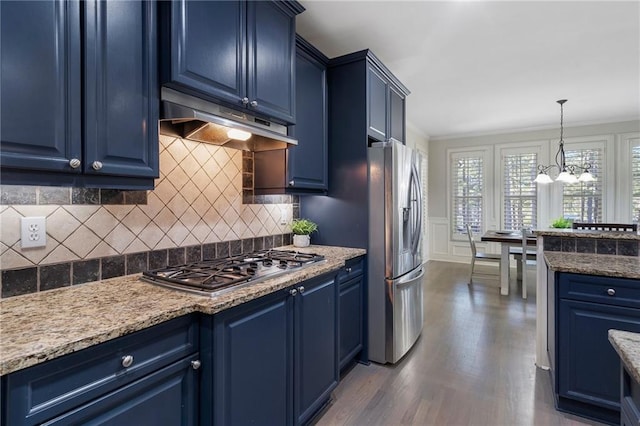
212 277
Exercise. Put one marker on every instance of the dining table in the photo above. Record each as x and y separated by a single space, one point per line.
507 240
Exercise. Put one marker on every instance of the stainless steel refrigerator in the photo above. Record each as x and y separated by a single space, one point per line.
395 250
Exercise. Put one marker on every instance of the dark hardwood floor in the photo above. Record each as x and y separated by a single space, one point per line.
473 364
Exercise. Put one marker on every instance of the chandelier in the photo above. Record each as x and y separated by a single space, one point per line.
567 172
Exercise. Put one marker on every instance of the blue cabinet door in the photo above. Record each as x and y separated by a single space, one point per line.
316 345
252 359
121 89
377 94
351 318
396 115
41 77
588 366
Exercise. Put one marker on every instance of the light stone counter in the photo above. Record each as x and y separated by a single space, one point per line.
581 233
41 326
594 264
627 344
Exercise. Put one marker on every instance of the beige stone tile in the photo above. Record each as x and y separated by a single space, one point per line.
222 205
222 157
190 240
119 211
201 154
101 250
247 216
31 210
211 238
221 181
82 242
3 248
165 219
136 246
167 163
178 205
263 214
165 191
212 193
178 232
256 228
190 218
153 207
190 192
59 254
165 243
3 208
211 168
82 212
211 217
231 171
240 229
11 259
190 165
10 226
231 236
165 141
119 238
136 220
201 205
221 229
61 224
178 150
201 231
35 255
201 179
102 222
178 178
151 235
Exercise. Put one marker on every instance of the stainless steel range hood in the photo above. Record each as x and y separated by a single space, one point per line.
192 118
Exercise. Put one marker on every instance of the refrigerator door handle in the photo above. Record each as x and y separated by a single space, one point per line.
417 229
410 277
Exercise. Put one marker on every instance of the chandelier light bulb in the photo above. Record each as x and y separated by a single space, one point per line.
586 177
564 177
543 178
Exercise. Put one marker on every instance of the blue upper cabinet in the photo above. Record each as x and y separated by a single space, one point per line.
79 94
245 59
40 59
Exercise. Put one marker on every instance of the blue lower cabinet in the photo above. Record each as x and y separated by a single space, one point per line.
274 359
351 316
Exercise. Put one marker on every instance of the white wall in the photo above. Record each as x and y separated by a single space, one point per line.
420 141
613 135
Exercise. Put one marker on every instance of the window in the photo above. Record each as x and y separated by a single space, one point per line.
520 199
635 183
582 201
467 181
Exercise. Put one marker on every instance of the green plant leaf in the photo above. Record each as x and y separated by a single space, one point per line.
303 227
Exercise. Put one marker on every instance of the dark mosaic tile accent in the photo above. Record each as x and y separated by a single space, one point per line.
295 199
628 248
268 242
605 246
85 196
585 245
135 197
277 240
568 244
258 243
85 271
287 239
550 243
247 197
209 251
54 195
247 154
194 254
55 276
19 281
137 262
247 245
158 259
222 249
112 266
13 194
296 213
111 196
247 180
235 247
177 256
247 164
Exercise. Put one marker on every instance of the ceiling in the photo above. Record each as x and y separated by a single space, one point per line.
476 67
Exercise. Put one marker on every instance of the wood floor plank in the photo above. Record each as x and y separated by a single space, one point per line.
473 364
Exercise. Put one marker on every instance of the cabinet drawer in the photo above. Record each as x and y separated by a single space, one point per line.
611 291
352 268
39 393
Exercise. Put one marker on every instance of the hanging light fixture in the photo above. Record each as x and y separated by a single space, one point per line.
566 171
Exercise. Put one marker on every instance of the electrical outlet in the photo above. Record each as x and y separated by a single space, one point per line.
33 232
284 219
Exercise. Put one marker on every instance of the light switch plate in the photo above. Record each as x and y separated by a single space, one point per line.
33 231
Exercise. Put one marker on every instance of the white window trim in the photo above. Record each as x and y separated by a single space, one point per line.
488 212
624 144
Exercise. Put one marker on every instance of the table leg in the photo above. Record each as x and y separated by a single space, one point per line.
504 270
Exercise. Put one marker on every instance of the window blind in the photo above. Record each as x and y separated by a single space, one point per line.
467 178
520 196
635 183
582 201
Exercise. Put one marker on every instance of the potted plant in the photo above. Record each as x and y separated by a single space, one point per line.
562 223
301 229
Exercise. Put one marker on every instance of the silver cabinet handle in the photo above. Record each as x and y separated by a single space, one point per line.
74 163
292 182
253 104
196 364
245 100
348 270
611 292
301 289
293 292
97 165
127 361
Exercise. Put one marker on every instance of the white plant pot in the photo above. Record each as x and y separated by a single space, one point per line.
301 240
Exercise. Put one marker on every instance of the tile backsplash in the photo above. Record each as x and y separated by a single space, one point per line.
195 210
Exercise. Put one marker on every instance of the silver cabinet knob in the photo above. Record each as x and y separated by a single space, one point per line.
74 163
301 289
97 165
292 182
293 292
196 364
611 292
127 361
253 104
348 270
245 100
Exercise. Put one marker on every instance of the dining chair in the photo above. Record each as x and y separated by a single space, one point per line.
621 227
475 255
528 258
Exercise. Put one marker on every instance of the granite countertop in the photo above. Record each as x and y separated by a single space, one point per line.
627 344
581 233
41 326
594 264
